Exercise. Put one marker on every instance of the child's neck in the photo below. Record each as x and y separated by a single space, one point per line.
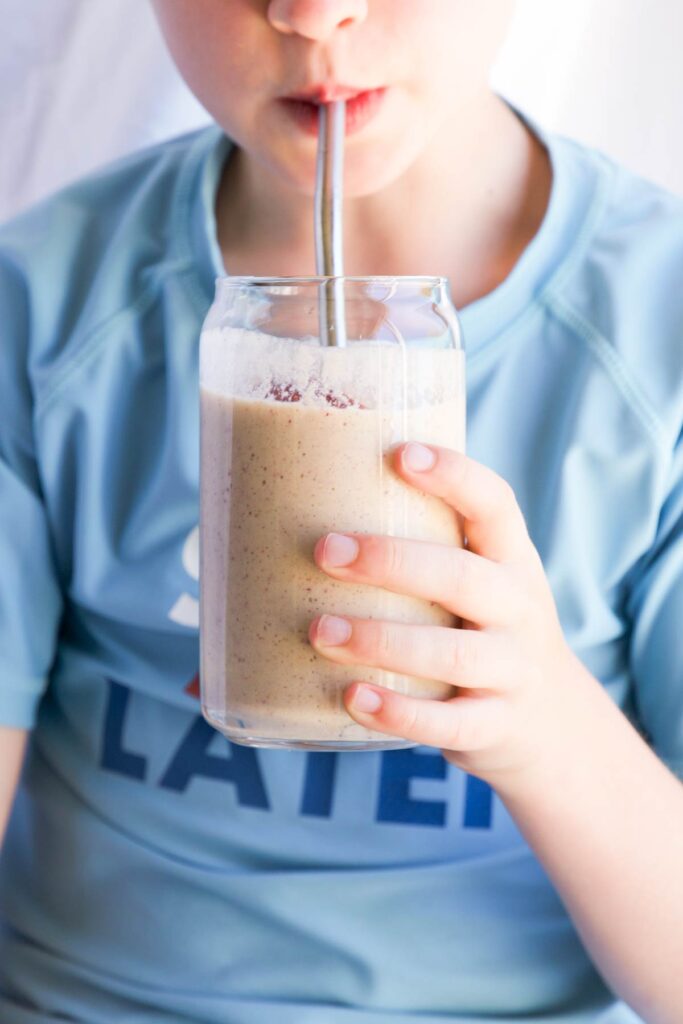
466 209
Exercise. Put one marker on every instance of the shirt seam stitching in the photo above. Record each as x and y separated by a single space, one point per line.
612 362
594 218
185 208
180 260
93 338
568 265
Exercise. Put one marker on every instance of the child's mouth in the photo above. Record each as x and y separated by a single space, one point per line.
361 107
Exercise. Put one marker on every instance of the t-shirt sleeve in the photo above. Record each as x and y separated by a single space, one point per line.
655 608
30 594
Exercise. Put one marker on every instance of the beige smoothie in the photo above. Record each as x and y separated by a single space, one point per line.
286 459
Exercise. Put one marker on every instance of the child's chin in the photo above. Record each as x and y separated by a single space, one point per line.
371 172
364 173
367 175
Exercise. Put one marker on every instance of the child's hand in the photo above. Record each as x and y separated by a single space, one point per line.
511 664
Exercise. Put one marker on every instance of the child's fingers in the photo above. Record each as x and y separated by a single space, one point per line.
493 522
457 579
462 657
461 723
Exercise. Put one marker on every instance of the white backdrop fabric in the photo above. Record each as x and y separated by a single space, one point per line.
84 81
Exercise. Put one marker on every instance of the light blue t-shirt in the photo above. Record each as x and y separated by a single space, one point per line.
153 872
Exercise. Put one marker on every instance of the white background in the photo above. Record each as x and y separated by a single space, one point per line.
82 81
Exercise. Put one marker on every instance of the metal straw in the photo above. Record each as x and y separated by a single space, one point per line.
329 187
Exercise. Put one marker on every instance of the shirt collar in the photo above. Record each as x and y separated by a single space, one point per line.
573 203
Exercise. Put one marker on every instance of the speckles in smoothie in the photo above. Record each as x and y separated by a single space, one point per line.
257 663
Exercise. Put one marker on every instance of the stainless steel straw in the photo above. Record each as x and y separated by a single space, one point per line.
329 193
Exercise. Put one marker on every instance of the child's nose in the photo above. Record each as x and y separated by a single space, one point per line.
315 19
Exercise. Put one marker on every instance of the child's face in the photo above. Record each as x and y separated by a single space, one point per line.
243 58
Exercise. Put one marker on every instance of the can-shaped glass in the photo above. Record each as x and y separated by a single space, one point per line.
297 436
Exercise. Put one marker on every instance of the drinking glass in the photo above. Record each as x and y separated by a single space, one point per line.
296 441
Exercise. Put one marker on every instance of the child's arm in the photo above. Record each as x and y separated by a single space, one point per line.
601 811
605 818
12 746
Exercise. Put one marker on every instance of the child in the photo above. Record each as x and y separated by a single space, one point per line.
524 862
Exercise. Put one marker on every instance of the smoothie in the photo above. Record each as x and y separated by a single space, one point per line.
285 459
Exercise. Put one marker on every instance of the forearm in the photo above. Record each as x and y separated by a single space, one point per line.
12 745
605 818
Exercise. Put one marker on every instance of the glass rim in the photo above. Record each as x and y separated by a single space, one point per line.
242 279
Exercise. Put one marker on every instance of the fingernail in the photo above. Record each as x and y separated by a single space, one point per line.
333 630
339 550
418 458
366 700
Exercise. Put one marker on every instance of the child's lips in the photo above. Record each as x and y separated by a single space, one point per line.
326 93
361 107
